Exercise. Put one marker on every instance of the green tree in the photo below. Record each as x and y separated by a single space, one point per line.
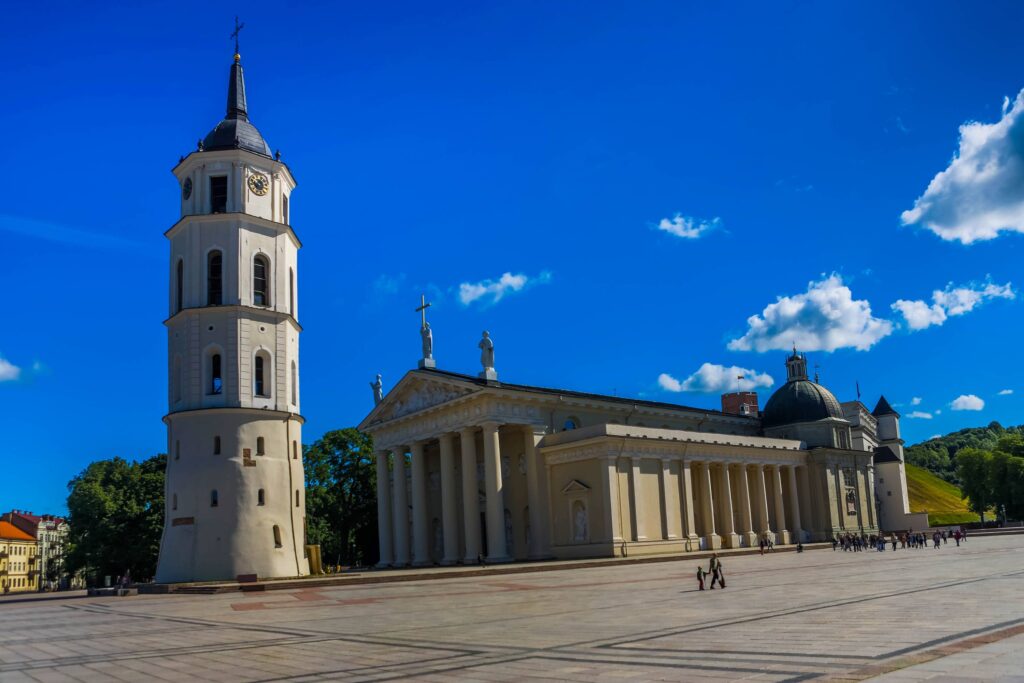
116 517
1007 476
341 497
973 471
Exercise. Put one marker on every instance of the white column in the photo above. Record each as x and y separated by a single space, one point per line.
872 511
714 541
746 522
420 515
669 501
635 498
806 501
387 556
449 504
495 495
470 496
794 505
781 534
762 503
686 482
400 518
539 543
610 492
730 539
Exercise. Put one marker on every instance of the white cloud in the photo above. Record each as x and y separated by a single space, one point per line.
9 372
669 383
981 193
714 378
824 318
920 415
967 402
1006 392
949 302
916 401
492 291
388 284
687 227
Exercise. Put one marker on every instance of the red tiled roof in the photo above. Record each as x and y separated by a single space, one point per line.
13 533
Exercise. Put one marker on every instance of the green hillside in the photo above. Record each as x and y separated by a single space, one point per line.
940 498
938 455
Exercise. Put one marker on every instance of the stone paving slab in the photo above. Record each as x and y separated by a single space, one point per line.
948 614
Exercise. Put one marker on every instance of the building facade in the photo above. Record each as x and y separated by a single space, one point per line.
470 468
19 560
51 533
235 484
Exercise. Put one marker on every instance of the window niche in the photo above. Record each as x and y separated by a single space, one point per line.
261 375
216 445
261 498
260 281
214 279
219 194
260 443
213 498
277 536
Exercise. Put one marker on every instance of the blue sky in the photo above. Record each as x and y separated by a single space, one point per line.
440 147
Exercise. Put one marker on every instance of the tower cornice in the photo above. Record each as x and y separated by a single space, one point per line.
265 413
201 218
250 311
198 157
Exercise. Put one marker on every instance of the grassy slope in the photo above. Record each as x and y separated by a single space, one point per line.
940 498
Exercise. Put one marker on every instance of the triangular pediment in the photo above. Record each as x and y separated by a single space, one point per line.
415 393
575 486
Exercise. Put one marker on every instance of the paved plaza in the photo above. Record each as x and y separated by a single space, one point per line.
949 614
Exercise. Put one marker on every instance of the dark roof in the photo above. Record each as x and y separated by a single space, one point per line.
885 454
883 408
235 131
581 394
800 400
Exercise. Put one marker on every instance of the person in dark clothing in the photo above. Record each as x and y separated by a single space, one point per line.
700 576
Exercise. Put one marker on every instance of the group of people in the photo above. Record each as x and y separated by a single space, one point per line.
910 539
714 571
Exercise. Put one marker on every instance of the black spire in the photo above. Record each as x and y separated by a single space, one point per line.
883 408
236 92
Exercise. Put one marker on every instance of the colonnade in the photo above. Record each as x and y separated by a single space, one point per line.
460 498
726 504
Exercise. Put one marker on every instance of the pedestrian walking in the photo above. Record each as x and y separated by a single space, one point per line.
700 576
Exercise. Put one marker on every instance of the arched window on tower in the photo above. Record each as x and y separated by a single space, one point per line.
295 384
213 498
260 281
277 536
179 287
260 498
216 445
296 498
261 375
214 279
295 450
174 501
216 379
284 209
260 446
291 291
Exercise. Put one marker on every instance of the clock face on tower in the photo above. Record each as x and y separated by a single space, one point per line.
259 184
186 189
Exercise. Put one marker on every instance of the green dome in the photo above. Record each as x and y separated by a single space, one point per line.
800 400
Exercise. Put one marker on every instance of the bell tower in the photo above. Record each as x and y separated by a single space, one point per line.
235 491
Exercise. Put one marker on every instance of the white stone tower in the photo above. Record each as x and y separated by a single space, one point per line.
235 485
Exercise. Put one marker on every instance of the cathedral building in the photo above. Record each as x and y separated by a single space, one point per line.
235 492
471 468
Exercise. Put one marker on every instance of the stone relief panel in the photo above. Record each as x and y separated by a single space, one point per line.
423 396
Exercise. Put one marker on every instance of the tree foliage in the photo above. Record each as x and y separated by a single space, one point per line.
939 455
994 477
341 497
116 517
